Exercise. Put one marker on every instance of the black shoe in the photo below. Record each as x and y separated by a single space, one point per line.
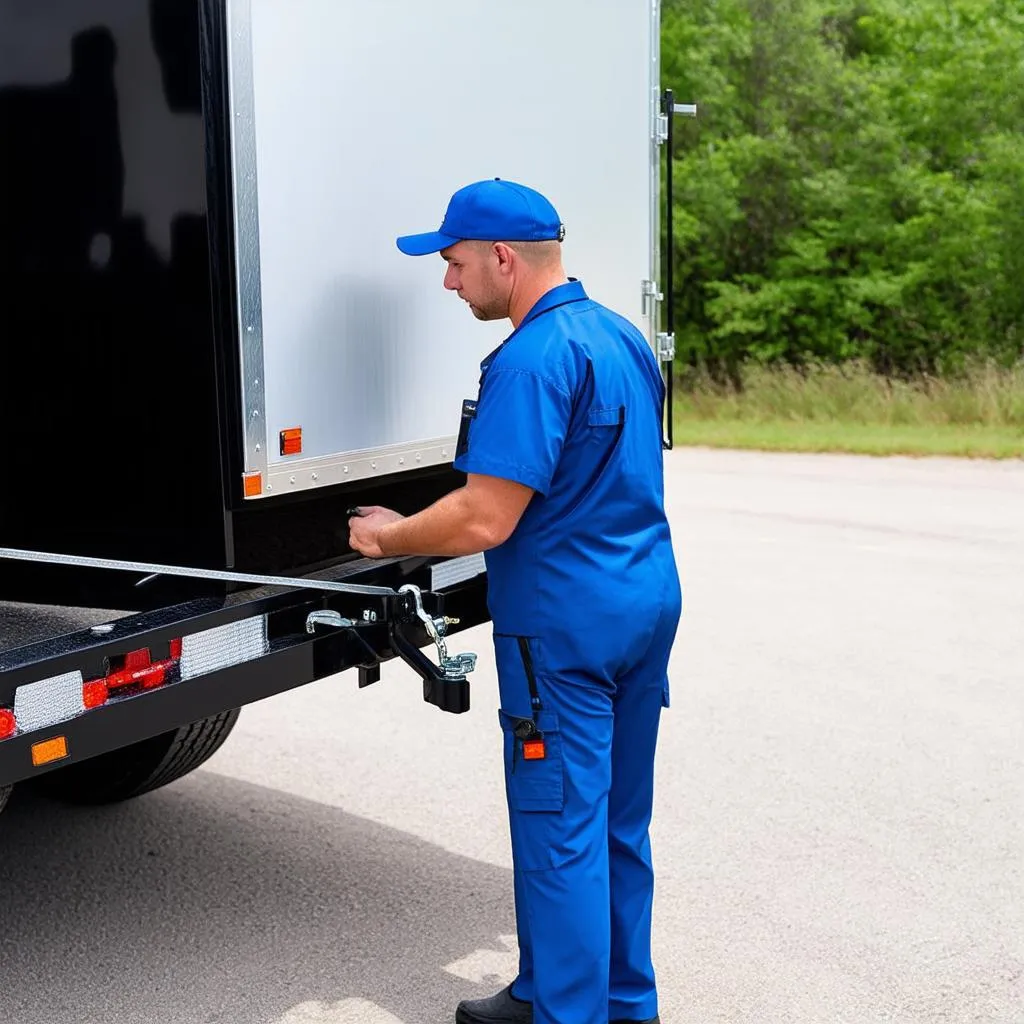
503 1008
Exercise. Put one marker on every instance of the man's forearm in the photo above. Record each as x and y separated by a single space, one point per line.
451 526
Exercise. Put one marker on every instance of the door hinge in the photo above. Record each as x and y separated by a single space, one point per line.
666 346
649 294
661 120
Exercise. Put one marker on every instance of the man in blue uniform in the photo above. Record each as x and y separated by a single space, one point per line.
564 491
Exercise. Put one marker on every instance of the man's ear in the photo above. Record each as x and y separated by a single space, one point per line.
506 256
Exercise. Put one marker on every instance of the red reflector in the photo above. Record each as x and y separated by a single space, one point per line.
95 693
134 660
156 675
533 750
139 671
176 649
7 723
115 680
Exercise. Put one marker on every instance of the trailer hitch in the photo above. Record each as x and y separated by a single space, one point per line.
445 684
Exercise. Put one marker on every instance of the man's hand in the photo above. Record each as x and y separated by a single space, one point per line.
477 517
364 529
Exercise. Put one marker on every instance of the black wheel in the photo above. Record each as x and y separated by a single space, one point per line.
5 792
140 768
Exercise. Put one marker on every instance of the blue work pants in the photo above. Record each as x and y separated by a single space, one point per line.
579 818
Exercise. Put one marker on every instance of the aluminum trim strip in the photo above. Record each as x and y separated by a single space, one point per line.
154 569
247 233
349 466
654 320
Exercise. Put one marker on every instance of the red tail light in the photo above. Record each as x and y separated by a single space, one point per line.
138 670
95 693
7 723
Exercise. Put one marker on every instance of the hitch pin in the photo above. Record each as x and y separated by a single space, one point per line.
429 624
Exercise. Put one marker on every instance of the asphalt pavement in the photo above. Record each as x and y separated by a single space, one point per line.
838 831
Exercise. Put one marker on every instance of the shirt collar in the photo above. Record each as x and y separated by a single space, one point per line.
560 295
572 291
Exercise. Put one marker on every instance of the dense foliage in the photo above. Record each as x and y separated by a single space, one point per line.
853 187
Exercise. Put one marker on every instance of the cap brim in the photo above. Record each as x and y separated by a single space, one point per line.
421 245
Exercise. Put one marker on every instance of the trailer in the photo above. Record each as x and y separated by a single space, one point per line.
212 349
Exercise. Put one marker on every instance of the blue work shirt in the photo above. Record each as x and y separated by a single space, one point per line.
570 405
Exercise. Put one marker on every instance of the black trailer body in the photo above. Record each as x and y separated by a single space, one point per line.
122 384
122 390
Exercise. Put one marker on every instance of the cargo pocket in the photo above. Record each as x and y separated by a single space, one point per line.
536 790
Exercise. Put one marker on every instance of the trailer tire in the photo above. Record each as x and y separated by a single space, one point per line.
139 768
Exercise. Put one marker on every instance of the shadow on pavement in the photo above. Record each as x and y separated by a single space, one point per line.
215 900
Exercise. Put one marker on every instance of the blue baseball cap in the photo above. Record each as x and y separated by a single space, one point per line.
491 211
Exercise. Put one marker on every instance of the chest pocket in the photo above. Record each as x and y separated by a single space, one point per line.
607 416
601 438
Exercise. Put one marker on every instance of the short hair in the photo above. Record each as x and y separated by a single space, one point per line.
538 254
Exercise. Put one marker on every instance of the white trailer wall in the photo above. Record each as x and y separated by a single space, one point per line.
353 122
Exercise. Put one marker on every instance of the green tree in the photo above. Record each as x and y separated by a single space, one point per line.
852 185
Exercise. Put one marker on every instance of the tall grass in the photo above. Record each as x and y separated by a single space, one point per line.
976 413
982 394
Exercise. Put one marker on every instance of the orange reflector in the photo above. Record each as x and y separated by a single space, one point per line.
533 750
7 723
291 441
252 484
49 750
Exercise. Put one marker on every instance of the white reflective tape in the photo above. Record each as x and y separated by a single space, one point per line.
223 646
456 570
53 700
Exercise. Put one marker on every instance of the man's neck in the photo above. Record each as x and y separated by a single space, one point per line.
534 290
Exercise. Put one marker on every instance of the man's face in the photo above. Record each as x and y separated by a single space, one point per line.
473 273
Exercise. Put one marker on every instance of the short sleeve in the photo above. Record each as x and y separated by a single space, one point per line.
520 426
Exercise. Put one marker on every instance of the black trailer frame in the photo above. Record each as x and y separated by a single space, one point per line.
311 634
